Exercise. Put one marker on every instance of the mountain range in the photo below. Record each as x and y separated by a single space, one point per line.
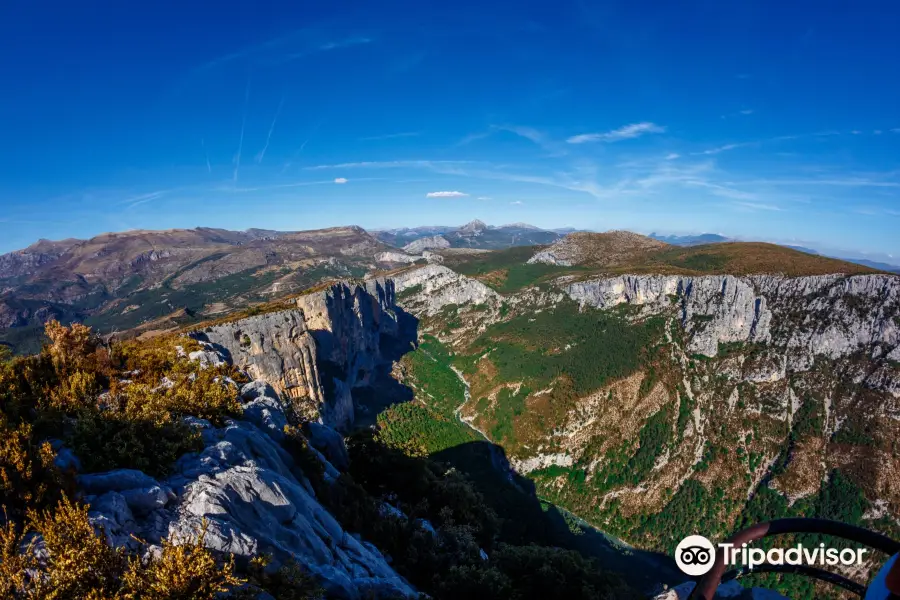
165 279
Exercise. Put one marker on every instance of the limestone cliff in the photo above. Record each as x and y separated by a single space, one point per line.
829 315
347 322
317 353
277 348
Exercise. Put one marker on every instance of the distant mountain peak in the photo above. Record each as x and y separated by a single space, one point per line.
520 225
473 227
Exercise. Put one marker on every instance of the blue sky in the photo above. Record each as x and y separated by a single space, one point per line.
762 120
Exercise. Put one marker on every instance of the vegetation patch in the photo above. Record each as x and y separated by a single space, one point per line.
590 348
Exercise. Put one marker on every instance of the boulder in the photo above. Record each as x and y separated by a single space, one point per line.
330 443
268 414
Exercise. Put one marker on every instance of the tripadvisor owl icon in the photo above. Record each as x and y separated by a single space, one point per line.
695 555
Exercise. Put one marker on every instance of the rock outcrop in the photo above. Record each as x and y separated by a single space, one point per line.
829 315
277 348
317 353
347 322
436 286
254 499
397 257
606 249
434 242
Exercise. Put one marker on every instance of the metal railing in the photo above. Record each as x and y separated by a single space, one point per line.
706 588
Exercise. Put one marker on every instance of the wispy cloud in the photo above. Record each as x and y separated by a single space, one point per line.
287 165
326 47
206 153
144 198
278 186
740 113
237 157
445 195
354 41
627 132
531 134
672 156
720 149
836 182
516 202
390 136
340 180
756 206
294 45
262 153
390 164
485 198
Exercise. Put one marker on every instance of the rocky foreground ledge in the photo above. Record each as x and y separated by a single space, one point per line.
252 498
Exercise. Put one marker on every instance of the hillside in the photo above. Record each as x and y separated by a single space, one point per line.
626 252
475 234
118 281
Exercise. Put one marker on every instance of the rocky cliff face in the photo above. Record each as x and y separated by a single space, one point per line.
318 352
745 398
431 288
277 348
829 315
348 323
434 242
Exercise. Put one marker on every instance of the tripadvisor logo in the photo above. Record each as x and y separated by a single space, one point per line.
695 555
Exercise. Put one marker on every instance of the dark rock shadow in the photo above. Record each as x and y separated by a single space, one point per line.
383 391
526 519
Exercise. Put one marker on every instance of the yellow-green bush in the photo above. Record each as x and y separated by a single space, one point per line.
107 403
80 564
28 476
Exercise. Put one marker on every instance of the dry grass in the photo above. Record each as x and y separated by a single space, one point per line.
619 252
608 249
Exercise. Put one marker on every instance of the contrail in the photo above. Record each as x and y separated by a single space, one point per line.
237 158
312 133
262 153
208 166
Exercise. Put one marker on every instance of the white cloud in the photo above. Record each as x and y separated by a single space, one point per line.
516 202
340 180
445 194
747 111
623 133
485 198
672 156
724 148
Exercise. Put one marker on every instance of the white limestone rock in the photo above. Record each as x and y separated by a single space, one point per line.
254 499
435 242
440 286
